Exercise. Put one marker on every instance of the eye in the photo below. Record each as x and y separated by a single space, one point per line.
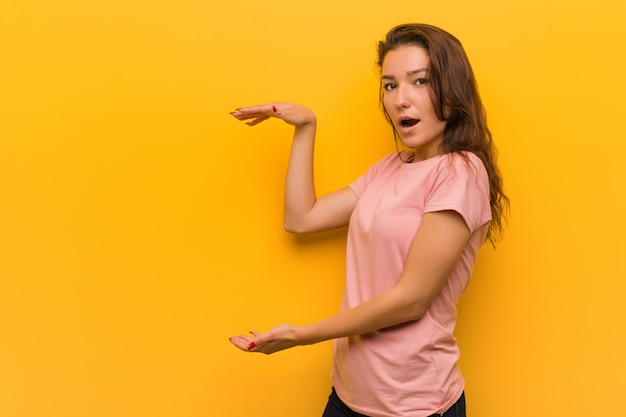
421 81
389 86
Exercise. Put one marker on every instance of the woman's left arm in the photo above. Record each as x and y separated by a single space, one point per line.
435 250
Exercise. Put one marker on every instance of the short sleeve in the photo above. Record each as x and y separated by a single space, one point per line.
461 184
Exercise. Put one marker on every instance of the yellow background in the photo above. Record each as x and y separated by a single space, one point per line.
140 224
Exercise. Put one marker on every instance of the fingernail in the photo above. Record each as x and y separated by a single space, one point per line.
232 112
251 345
274 109
239 108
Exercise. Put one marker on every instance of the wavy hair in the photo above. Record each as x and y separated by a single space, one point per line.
456 100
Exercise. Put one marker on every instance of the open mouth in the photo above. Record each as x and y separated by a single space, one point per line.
408 122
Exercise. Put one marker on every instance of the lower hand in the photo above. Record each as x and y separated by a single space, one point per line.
279 338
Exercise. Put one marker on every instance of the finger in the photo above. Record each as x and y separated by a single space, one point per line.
252 112
258 120
246 116
253 342
242 114
242 342
259 109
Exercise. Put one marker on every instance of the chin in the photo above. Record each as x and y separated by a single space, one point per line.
408 143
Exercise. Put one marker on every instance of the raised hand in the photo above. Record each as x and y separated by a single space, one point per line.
293 114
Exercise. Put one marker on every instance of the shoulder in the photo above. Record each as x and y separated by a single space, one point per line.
460 173
466 164
461 184
464 157
387 163
390 160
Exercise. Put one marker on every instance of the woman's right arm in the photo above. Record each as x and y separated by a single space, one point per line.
304 211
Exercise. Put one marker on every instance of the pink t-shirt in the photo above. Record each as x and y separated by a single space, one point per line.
409 370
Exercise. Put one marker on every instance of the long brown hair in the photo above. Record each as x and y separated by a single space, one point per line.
456 100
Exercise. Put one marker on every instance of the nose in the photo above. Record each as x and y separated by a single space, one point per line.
402 98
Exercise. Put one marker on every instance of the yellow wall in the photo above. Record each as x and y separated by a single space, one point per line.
140 225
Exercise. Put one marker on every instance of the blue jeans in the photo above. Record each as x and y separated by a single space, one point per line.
336 408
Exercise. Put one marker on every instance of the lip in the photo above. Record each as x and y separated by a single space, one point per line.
406 129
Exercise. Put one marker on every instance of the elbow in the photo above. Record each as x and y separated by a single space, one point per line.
295 228
411 303
298 225
415 308
291 229
415 312
290 226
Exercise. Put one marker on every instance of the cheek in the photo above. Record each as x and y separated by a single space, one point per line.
425 101
440 128
430 109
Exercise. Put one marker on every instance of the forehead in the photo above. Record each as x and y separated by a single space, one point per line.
404 59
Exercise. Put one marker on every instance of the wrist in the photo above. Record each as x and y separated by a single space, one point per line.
307 124
312 333
303 335
305 132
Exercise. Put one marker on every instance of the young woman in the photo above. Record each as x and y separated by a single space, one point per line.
416 221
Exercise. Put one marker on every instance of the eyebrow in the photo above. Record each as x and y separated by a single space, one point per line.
410 73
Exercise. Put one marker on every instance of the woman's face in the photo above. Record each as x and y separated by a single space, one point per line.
407 99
